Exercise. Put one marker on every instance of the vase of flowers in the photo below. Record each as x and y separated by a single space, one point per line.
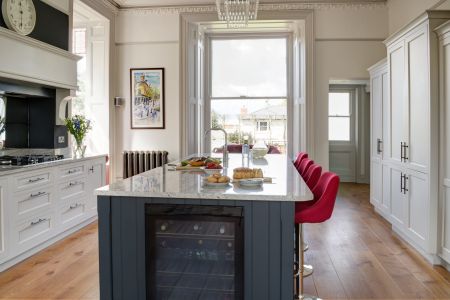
78 126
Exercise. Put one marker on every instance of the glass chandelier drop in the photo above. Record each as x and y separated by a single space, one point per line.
237 13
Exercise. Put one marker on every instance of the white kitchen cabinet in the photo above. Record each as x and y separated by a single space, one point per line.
410 164
96 171
396 61
3 219
444 178
45 204
399 200
378 103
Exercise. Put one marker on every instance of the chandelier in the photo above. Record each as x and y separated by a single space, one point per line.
237 13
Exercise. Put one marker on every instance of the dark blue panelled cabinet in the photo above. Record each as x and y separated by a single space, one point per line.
268 246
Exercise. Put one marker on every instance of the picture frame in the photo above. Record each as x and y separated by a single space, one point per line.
147 99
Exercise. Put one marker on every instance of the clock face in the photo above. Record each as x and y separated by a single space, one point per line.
19 15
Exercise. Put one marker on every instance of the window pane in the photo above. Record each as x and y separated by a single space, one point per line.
255 120
339 129
339 104
249 67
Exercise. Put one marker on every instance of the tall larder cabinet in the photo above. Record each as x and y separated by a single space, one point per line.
379 126
444 109
412 150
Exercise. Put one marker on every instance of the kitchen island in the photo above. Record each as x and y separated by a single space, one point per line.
163 234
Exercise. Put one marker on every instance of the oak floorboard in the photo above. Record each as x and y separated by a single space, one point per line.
356 255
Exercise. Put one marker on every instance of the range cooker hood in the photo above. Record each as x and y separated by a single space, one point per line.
35 71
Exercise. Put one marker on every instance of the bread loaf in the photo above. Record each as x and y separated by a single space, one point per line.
247 173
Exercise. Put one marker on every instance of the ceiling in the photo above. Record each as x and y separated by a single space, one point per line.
149 3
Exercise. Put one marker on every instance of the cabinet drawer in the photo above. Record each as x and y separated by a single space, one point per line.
72 188
72 213
33 231
36 199
72 171
34 180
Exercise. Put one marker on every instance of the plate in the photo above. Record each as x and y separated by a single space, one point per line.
253 182
212 171
217 184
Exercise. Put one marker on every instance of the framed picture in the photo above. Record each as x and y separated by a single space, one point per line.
147 98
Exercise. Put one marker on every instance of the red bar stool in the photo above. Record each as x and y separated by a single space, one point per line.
300 157
304 166
312 175
318 211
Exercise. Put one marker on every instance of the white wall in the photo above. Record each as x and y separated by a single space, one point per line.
401 12
147 41
348 41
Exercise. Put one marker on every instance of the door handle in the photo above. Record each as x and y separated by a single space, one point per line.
404 184
379 142
405 147
401 152
401 183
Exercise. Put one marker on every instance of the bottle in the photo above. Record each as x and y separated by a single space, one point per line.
245 148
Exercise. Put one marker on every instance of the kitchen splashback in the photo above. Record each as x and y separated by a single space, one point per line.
29 114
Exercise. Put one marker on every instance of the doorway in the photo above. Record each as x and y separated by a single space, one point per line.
349 132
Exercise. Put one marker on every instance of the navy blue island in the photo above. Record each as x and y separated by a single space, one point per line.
164 234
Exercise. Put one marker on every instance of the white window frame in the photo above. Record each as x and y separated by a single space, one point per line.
298 23
258 125
208 80
352 103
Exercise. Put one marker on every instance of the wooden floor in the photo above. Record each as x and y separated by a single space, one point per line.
355 255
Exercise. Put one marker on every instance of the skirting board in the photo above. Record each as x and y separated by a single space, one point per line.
431 258
10 263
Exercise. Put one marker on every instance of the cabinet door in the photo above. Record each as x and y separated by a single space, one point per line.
386 199
376 184
418 207
418 135
445 150
3 221
377 115
398 198
398 109
385 115
96 179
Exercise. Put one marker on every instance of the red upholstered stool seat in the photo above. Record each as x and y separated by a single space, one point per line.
300 157
316 211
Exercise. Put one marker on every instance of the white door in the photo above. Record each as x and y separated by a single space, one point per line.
398 197
96 179
418 207
3 205
418 138
386 199
341 133
445 151
398 110
377 116
376 183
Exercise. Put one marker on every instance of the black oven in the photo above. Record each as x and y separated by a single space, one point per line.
194 252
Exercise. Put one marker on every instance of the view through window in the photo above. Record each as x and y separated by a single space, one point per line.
249 92
339 116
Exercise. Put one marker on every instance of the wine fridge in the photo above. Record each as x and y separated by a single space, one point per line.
194 252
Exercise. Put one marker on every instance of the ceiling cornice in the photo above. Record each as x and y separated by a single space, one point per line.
310 5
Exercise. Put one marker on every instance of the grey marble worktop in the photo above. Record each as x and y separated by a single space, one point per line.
8 170
165 182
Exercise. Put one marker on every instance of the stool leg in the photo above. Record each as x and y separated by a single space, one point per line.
299 279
